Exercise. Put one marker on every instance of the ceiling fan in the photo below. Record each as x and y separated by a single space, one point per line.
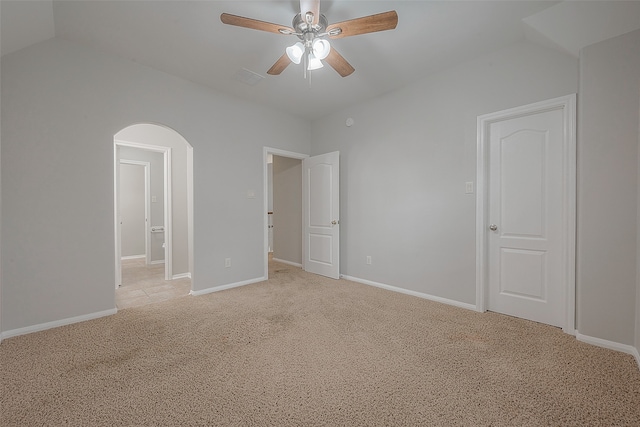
312 28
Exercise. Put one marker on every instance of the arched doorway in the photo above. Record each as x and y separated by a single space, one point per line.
165 269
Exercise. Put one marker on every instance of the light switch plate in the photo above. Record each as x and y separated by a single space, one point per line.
468 187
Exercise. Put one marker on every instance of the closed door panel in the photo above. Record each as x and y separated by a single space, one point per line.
526 216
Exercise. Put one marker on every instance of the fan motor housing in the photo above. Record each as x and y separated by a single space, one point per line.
300 25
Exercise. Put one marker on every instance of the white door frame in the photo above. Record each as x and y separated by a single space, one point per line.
265 154
167 205
568 105
147 191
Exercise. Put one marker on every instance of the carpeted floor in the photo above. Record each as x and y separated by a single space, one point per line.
302 350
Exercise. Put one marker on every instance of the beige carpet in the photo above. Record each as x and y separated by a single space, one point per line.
301 350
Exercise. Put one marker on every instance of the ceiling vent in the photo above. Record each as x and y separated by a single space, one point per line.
248 77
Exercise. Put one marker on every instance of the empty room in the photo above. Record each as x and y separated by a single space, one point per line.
320 212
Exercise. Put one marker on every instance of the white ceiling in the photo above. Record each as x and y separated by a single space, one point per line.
187 39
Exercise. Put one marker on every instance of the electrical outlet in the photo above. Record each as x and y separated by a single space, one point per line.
227 262
368 260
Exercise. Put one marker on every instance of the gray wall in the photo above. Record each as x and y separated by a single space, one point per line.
132 210
404 164
156 188
607 239
62 104
157 135
287 209
405 161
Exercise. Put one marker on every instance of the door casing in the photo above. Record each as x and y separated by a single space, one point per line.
568 105
277 152
265 155
167 206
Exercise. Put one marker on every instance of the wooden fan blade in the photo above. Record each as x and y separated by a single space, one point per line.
312 6
338 63
241 21
280 65
366 24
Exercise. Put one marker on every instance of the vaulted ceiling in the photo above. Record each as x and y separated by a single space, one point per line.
187 39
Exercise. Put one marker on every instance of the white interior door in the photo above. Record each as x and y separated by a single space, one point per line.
321 194
526 217
134 209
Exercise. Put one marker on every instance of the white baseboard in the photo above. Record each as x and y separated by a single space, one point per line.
412 293
57 323
584 338
611 345
636 354
229 286
158 261
181 276
295 264
133 257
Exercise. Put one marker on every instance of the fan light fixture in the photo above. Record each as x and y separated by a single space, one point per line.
295 52
314 63
321 48
312 47
318 51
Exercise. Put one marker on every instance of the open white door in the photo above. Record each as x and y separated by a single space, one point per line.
321 193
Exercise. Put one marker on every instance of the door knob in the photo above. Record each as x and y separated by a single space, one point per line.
493 227
334 222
